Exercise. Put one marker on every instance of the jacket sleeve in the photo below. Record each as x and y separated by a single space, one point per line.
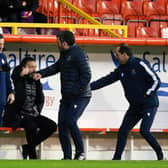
40 94
106 80
151 77
82 61
51 70
9 83
16 74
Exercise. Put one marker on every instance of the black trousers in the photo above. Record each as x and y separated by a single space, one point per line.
69 113
131 118
37 129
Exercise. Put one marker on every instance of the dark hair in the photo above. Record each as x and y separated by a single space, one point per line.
66 36
26 60
1 36
146 53
124 48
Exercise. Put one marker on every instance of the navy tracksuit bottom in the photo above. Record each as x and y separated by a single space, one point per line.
131 118
69 113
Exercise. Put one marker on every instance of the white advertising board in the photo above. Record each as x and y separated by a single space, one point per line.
107 105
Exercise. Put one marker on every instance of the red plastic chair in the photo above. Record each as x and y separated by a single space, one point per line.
109 6
87 32
132 26
144 32
154 8
158 22
164 32
112 19
131 9
88 6
48 7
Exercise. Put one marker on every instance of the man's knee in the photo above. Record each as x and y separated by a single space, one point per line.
144 133
53 126
71 124
28 125
123 132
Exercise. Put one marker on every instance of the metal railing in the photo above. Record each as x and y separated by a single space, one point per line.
71 27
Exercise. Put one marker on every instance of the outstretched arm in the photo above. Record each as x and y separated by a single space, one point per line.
106 80
51 70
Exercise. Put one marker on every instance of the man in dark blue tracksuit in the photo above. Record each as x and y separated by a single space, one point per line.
140 84
75 76
6 89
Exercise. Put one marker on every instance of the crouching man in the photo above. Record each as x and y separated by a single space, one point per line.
25 112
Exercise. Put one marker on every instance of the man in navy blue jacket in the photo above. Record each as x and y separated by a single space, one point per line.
6 89
140 84
75 75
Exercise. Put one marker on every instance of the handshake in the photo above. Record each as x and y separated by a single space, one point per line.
5 68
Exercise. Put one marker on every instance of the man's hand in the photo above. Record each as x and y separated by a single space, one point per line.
11 98
25 71
37 76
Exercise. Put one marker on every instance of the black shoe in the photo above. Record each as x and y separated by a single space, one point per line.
32 153
160 156
24 151
116 157
79 156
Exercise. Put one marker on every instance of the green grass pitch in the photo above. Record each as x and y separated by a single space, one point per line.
81 164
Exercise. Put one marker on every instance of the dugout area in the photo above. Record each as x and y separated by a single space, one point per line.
108 106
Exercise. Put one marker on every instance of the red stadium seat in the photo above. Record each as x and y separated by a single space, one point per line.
158 22
132 26
68 19
64 10
164 32
132 8
112 19
88 6
142 32
108 6
87 32
48 7
157 7
66 15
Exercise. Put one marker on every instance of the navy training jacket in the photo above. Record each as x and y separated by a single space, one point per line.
75 73
5 81
139 81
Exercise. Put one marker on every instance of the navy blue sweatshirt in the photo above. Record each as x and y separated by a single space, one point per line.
139 81
5 81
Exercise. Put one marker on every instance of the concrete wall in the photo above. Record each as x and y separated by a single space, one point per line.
97 147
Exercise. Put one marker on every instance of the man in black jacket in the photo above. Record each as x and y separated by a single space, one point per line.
26 109
140 84
74 69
